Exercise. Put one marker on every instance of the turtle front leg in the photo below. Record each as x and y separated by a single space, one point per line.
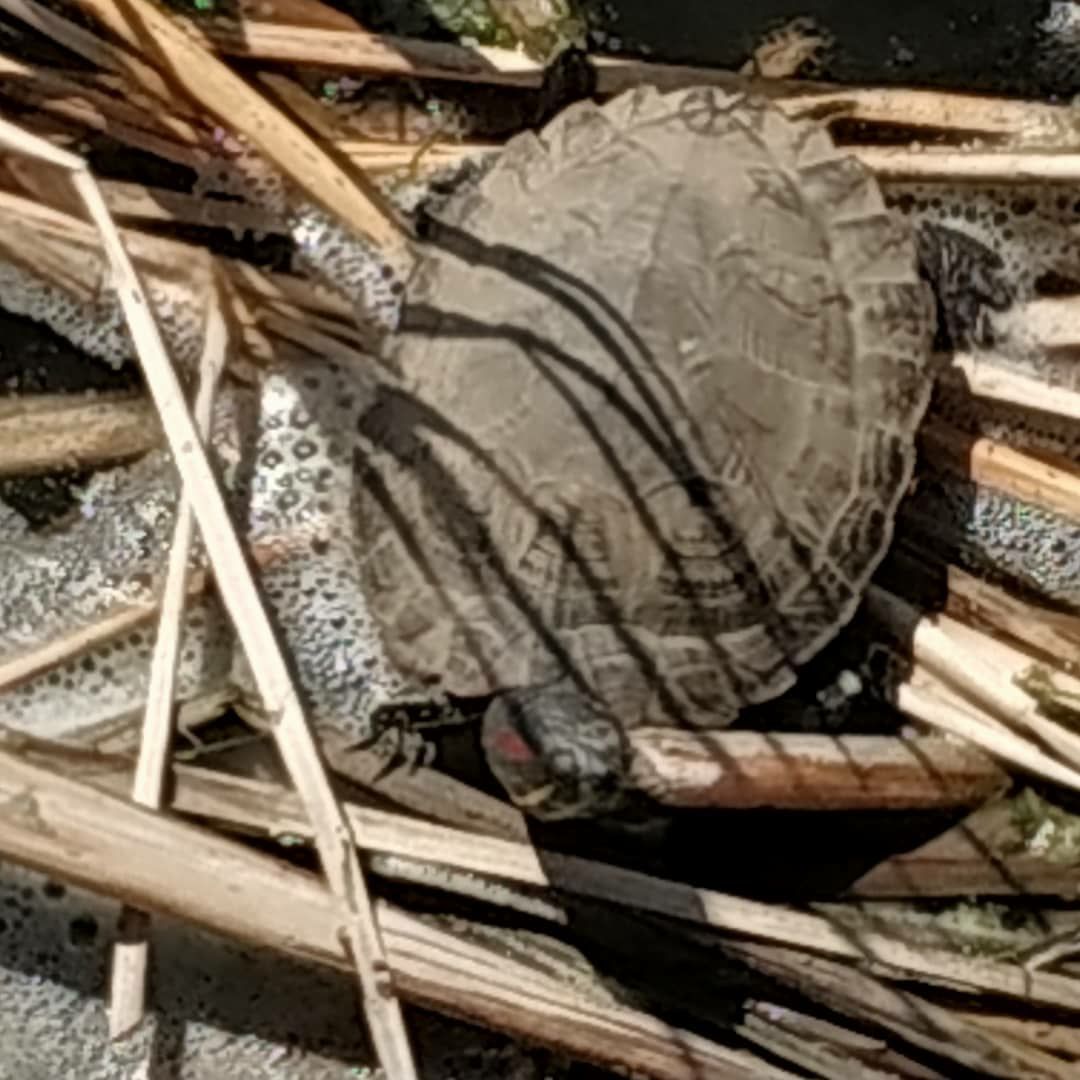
556 754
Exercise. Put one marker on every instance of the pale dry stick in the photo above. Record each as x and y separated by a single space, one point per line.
1056 1038
817 1056
145 203
222 93
387 55
26 665
954 660
917 1019
383 157
751 769
965 723
46 432
93 48
55 90
986 854
1050 481
1055 321
1016 121
131 951
1050 636
111 624
258 804
792 1030
953 165
996 383
360 51
113 847
1046 635
244 605
1013 664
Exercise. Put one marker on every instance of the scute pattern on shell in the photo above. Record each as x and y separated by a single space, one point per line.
675 490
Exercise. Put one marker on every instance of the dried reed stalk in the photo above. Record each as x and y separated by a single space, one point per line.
749 769
1046 480
49 432
960 660
223 94
984 855
1047 636
996 383
131 951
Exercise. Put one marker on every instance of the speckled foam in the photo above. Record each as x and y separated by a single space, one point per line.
292 489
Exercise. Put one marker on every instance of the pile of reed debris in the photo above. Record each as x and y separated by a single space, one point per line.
952 954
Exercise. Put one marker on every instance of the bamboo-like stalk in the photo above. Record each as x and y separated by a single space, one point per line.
984 855
49 432
966 166
234 102
1046 480
748 769
996 383
992 711
1047 636
131 951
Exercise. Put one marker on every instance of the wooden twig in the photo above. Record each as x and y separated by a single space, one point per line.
144 203
996 383
17 669
32 662
1047 636
131 950
747 769
47 432
826 1049
1016 667
1054 1038
951 658
942 714
99 52
253 627
59 92
323 46
916 1019
984 855
235 103
952 165
111 846
1046 480
360 51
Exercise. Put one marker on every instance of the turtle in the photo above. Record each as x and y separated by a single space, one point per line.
628 458
650 409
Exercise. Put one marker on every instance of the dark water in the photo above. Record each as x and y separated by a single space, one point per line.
992 44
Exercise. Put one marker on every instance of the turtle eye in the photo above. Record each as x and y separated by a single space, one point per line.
564 764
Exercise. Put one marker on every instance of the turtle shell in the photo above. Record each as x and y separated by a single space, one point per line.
652 409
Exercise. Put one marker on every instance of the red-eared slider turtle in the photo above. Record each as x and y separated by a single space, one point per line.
659 375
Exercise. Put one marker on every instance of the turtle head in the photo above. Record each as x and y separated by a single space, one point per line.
554 752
